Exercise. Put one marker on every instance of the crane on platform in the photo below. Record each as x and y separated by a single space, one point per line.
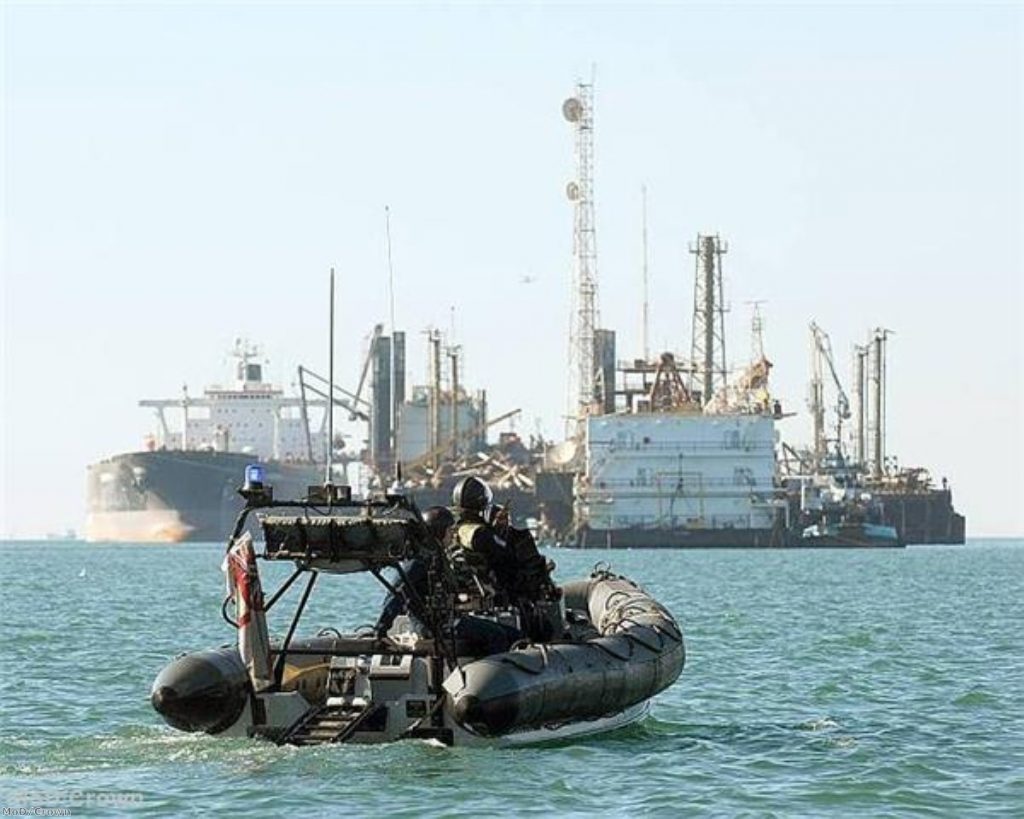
429 457
378 330
822 359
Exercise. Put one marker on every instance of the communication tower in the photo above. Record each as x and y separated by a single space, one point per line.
756 331
707 349
578 110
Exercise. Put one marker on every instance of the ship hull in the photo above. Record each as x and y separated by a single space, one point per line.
169 496
924 516
716 539
588 538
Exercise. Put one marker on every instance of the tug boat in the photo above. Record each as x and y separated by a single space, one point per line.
612 647
851 533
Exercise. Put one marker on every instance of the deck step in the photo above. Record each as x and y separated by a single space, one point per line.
326 724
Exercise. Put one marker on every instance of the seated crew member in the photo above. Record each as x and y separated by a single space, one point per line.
534 592
438 520
475 545
476 541
532 580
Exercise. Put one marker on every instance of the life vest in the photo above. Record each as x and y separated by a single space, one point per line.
470 564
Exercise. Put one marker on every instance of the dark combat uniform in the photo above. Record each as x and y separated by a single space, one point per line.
531 577
487 556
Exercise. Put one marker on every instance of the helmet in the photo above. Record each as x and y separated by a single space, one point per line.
472 494
439 520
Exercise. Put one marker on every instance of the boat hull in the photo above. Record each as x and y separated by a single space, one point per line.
635 652
558 732
854 535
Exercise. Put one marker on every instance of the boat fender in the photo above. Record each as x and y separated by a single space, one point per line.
530 663
202 691
639 634
582 679
605 645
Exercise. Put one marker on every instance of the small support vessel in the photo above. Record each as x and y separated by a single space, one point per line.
851 533
608 646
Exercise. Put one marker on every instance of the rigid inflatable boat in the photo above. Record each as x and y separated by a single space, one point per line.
613 647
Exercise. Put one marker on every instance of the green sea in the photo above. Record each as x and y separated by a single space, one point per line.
817 683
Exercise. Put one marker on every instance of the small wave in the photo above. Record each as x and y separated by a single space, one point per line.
974 698
821 724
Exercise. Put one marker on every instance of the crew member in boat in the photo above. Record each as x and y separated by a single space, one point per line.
507 557
533 590
532 580
476 542
439 521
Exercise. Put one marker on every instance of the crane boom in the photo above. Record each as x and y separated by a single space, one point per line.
824 347
427 457
377 330
822 352
343 402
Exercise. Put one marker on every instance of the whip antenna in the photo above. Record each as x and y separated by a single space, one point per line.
330 389
391 268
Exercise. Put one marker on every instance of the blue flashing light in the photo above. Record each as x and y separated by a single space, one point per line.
254 476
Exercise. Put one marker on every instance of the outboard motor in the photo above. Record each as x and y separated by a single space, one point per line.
202 691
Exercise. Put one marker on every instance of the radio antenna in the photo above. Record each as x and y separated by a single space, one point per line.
330 389
395 409
391 269
646 313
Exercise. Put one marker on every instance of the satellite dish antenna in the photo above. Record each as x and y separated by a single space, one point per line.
572 109
572 191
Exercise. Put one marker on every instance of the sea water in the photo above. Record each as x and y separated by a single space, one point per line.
819 682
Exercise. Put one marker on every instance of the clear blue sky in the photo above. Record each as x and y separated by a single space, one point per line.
175 176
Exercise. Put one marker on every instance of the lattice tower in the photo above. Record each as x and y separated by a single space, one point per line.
707 349
579 112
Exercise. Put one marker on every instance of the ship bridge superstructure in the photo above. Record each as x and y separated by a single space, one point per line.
249 415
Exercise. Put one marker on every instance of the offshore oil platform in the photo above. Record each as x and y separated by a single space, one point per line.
668 449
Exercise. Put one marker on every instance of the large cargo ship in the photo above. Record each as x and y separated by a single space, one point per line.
182 484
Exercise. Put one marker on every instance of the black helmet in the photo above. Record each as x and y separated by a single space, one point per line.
472 494
439 520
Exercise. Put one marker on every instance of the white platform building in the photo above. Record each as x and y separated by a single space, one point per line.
665 471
